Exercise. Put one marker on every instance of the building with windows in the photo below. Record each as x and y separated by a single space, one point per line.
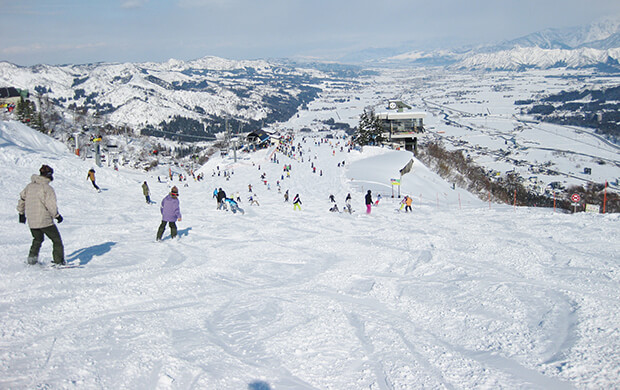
9 95
401 125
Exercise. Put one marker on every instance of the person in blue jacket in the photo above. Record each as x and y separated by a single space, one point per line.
234 206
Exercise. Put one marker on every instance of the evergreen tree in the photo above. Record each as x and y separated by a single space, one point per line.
24 110
38 123
370 130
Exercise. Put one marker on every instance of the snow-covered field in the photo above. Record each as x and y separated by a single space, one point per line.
459 294
475 112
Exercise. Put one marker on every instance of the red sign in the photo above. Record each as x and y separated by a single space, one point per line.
575 198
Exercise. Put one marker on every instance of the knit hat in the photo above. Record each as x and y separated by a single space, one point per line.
46 171
174 191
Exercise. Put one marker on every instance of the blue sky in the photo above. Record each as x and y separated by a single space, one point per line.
83 31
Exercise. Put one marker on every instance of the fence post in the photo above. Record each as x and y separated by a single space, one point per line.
605 197
515 200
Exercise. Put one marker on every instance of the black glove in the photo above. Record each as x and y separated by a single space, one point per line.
22 218
59 218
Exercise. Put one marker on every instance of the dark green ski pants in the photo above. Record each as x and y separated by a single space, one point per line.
162 227
38 235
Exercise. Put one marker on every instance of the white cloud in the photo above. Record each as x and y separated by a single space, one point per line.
133 3
45 48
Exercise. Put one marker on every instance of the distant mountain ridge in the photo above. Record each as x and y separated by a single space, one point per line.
191 97
594 45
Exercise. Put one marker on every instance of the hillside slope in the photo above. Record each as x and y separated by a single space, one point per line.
449 296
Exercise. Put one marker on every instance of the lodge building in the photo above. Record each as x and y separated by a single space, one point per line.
401 125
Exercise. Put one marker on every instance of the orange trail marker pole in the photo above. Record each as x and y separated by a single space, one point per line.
605 197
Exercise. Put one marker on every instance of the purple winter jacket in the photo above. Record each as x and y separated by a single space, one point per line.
170 209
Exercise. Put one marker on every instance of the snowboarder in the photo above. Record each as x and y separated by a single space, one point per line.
296 203
334 208
368 202
37 205
146 192
170 213
91 177
234 207
332 198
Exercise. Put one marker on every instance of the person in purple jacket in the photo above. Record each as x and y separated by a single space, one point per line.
170 213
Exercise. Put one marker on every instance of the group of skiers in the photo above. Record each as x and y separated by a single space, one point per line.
37 206
224 202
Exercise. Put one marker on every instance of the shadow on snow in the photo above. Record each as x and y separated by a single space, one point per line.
85 255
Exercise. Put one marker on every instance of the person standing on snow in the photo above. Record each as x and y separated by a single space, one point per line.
408 202
91 177
146 192
296 203
368 202
170 213
347 204
37 205
378 199
221 195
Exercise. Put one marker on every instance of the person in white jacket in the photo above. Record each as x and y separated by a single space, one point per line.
37 205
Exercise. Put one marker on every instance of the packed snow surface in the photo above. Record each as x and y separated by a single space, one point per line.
458 294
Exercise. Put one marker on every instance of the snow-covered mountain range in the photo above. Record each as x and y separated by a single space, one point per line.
593 45
206 91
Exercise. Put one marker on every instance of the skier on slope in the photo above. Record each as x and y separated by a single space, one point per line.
37 204
91 177
378 199
146 192
221 195
368 202
347 204
170 213
234 206
296 203
254 200
408 202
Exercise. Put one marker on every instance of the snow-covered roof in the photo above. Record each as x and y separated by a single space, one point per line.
401 115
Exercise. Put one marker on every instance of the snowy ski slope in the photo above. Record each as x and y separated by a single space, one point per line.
459 294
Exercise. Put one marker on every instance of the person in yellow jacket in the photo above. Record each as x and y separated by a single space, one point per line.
408 203
37 205
91 177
